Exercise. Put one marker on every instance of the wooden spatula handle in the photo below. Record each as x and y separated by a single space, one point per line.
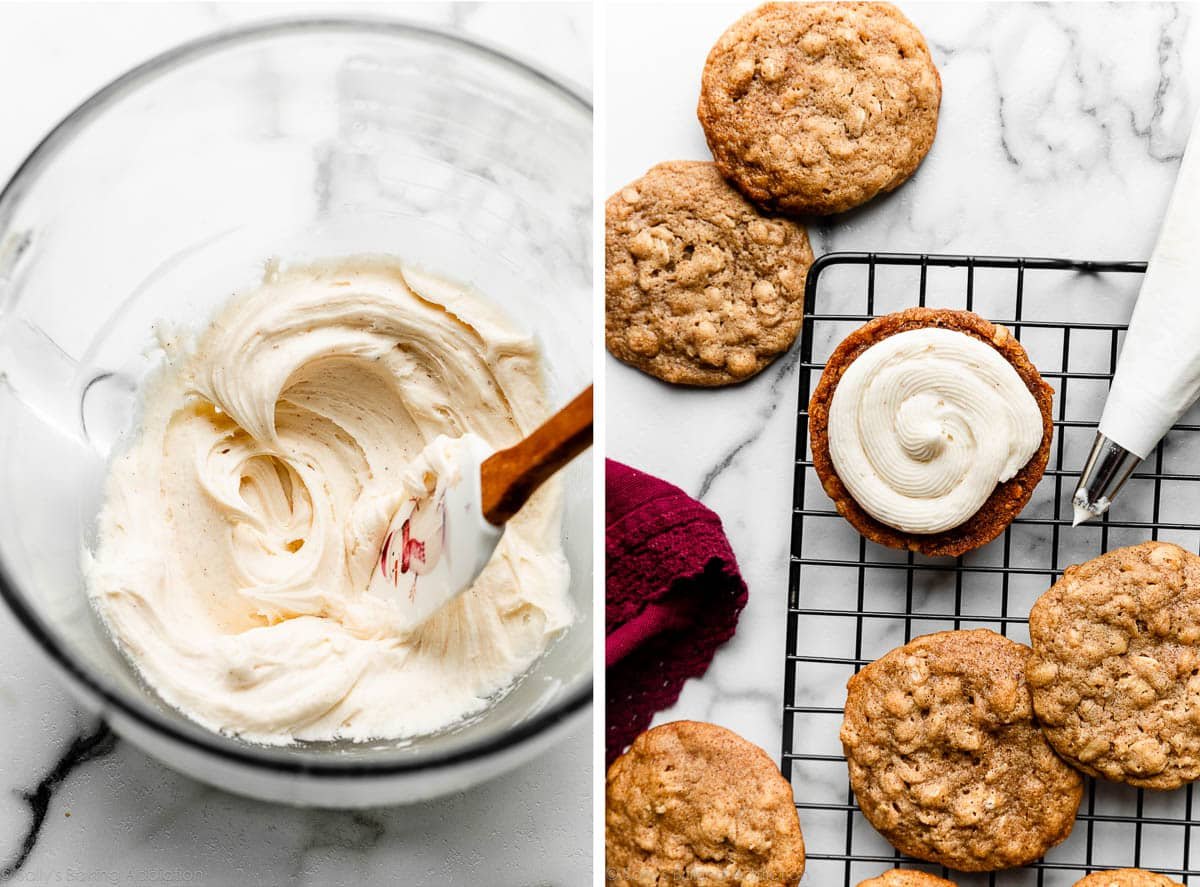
509 477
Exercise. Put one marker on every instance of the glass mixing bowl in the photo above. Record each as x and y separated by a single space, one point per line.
169 189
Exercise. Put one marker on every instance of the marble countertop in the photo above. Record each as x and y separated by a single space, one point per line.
1060 134
77 805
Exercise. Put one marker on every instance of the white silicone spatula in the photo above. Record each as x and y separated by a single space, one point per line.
436 545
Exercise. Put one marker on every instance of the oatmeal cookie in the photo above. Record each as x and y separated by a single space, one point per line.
1126 878
1006 500
906 878
695 803
945 757
1115 669
818 107
700 287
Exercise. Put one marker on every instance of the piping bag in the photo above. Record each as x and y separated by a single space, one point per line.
1158 374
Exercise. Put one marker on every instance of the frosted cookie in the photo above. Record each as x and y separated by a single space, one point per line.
1126 878
946 759
906 878
700 287
1115 669
818 107
930 429
695 803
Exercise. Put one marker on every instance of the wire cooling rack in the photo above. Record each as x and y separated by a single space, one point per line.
850 600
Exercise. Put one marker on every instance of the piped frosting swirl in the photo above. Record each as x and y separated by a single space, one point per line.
924 424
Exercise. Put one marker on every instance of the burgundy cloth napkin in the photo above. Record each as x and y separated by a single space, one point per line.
672 596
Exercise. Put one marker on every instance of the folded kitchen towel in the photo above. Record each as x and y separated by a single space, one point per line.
672 596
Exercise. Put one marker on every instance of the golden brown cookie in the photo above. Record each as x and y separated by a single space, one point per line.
1115 669
906 878
695 803
817 107
1126 878
946 760
1006 500
700 287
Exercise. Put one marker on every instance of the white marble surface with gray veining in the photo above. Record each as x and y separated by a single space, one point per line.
1060 134
78 806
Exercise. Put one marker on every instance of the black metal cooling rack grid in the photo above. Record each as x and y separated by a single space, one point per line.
850 600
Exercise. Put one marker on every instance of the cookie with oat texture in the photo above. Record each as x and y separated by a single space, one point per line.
815 108
906 878
700 287
1115 669
946 759
694 803
1126 878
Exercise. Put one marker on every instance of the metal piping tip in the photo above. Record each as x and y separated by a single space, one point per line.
1107 468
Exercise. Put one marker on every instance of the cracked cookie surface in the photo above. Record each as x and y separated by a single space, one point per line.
815 108
695 803
700 287
1126 878
1115 669
946 760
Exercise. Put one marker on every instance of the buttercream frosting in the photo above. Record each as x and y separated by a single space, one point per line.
241 526
925 423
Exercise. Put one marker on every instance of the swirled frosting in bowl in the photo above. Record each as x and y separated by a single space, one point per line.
241 526
925 423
